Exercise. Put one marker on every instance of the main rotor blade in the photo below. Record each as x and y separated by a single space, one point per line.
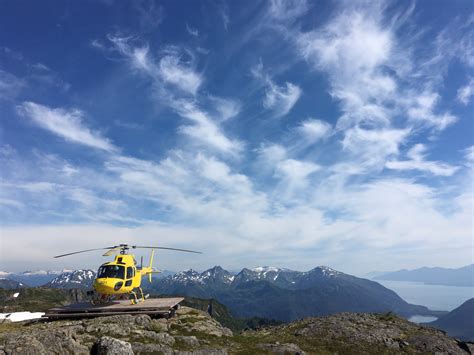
82 251
111 251
165 248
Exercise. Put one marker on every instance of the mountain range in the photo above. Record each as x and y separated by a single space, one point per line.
270 292
285 295
32 278
463 276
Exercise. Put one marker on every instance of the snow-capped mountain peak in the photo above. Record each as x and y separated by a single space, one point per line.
327 271
265 269
215 274
186 276
75 279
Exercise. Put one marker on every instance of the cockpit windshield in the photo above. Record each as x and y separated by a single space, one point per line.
112 271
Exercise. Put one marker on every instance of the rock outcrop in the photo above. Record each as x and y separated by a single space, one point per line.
193 332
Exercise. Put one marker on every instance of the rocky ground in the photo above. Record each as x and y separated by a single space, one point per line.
194 332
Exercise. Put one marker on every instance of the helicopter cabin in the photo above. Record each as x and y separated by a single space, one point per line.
123 269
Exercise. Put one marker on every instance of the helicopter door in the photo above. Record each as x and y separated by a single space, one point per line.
129 276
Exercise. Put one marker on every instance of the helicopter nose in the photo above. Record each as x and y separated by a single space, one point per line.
102 286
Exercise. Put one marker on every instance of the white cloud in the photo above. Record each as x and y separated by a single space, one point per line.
11 203
354 48
67 124
314 130
417 162
287 9
97 44
205 129
469 158
466 92
281 99
294 175
192 31
422 110
373 79
225 108
170 69
237 226
370 148
224 14
179 74
10 85
354 42
150 15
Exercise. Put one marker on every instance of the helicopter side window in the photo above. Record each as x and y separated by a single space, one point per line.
129 272
111 271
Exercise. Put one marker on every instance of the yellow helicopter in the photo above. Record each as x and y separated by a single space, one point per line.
122 277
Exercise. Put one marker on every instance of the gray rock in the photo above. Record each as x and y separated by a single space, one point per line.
202 352
284 349
143 320
159 325
24 345
193 320
139 348
112 329
45 342
110 346
428 343
190 341
162 338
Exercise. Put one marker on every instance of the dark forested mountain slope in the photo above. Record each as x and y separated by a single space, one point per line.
459 322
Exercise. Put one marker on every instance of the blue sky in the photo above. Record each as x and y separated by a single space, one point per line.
286 133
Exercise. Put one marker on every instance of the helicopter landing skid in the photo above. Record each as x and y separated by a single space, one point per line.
135 299
98 299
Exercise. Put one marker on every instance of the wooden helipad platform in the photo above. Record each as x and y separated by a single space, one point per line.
152 306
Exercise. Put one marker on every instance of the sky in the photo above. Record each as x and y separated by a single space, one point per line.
283 133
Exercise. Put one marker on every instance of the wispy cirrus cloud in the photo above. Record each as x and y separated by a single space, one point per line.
422 111
10 85
417 162
67 124
375 80
287 9
279 99
192 31
171 70
314 130
466 92
204 128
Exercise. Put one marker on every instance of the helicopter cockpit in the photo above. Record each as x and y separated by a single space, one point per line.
111 271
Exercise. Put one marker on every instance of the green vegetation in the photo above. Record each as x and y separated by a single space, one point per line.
223 316
34 299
